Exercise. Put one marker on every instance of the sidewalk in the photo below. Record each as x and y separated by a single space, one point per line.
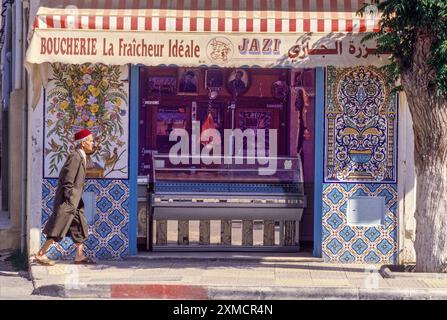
229 276
14 285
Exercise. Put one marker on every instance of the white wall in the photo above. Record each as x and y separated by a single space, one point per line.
406 184
35 168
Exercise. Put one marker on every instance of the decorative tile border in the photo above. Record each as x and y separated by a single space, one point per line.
356 244
109 231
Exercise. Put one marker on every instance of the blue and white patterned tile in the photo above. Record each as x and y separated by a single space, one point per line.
326 208
347 234
45 191
372 257
347 257
109 231
335 221
389 221
103 229
361 242
372 234
116 217
387 194
359 246
91 243
334 246
117 192
52 182
335 196
104 204
392 231
104 254
360 193
92 188
116 242
325 233
385 246
347 187
372 187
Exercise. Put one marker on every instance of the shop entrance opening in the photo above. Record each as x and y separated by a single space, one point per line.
228 158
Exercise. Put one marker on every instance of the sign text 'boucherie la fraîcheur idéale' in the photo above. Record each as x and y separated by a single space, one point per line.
90 46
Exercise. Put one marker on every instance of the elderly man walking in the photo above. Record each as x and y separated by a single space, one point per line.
68 217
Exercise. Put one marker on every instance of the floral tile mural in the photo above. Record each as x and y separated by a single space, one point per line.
360 125
92 96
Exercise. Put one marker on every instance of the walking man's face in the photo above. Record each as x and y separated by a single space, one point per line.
87 144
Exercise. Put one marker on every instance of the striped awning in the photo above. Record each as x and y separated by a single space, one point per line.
196 33
227 16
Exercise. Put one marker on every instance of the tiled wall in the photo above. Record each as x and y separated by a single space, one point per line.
358 244
109 228
92 96
360 160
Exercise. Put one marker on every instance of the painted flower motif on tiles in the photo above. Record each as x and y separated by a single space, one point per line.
87 96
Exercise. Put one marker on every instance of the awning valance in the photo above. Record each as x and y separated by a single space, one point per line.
233 16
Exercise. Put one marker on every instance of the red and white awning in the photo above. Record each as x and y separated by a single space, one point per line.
227 16
195 33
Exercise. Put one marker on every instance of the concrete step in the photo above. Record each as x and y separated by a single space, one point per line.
228 256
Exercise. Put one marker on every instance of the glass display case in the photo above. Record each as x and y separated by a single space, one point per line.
226 191
248 175
230 188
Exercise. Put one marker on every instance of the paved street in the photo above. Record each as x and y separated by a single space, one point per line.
205 276
232 276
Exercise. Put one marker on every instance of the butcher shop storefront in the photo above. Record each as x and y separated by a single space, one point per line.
220 126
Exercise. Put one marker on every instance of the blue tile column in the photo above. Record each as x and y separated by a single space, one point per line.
133 159
319 160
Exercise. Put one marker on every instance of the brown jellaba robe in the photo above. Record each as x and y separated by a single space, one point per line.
68 217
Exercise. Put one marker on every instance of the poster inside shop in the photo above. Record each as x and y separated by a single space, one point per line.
187 49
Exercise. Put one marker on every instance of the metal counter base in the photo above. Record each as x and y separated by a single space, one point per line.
217 248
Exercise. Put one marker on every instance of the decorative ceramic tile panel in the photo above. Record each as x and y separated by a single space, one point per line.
361 126
358 244
92 96
109 231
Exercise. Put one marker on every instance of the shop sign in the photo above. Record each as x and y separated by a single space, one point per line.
189 49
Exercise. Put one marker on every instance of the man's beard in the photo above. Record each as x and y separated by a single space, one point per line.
94 149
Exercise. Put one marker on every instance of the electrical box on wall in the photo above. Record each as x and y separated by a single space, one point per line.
365 211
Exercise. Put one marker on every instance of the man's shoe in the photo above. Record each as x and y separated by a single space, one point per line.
44 260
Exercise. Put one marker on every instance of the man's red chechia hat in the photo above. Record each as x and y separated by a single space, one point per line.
82 134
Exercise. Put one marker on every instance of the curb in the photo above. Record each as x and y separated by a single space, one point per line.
195 292
386 272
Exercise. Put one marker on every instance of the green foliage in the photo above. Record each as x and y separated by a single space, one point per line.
399 24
